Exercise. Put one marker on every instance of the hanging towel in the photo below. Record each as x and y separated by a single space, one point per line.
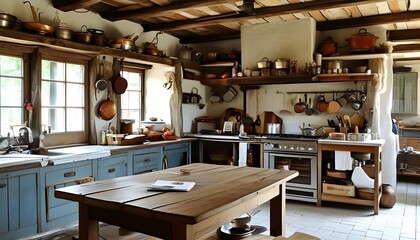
343 160
360 179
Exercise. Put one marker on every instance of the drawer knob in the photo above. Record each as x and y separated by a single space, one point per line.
3 185
111 170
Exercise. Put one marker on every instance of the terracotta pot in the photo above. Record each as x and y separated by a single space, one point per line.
388 198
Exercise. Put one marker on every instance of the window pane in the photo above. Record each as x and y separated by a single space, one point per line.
11 66
52 94
75 95
133 80
10 116
75 73
53 117
52 70
134 100
75 119
11 91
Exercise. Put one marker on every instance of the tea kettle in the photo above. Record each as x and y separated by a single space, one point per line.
25 136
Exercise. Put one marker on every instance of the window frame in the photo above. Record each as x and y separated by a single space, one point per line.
17 50
73 137
136 68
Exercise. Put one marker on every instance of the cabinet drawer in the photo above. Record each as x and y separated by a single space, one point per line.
68 173
112 167
146 162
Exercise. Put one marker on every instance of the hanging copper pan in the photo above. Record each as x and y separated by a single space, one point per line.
107 109
120 84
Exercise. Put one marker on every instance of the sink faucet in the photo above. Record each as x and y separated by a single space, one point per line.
45 130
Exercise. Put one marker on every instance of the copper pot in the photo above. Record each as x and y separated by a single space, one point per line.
327 47
82 36
362 41
98 37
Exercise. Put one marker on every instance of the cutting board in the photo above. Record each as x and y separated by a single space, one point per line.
356 120
267 117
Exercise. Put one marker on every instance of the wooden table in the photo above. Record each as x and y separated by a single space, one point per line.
221 193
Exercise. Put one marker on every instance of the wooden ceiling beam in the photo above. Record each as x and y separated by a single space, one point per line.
70 5
209 38
369 21
401 35
406 48
155 11
259 13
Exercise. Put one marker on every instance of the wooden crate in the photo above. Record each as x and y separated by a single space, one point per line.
341 190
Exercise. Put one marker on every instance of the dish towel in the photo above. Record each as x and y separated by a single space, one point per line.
360 179
343 160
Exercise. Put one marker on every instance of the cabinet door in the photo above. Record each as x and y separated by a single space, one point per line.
56 211
112 167
404 100
18 204
177 154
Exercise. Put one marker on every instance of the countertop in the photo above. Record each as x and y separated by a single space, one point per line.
19 161
376 142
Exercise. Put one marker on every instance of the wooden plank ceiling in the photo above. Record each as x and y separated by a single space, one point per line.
195 21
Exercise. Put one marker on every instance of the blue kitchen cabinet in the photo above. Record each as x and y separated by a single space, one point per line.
57 212
146 160
110 167
18 203
177 154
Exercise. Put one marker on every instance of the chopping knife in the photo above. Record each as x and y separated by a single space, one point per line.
340 121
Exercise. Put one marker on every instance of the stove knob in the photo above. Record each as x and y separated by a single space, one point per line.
310 148
292 148
300 148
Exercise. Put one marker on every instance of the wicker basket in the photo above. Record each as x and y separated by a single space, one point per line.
123 139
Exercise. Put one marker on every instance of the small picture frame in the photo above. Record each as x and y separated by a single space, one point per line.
228 127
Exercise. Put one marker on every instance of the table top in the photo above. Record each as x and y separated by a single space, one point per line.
218 188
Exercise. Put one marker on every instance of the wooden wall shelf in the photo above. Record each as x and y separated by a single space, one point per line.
19 37
287 79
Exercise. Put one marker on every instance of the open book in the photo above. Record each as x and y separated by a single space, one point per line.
163 185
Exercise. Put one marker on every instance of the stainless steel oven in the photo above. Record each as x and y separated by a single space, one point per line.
297 154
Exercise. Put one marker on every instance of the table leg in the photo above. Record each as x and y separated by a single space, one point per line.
182 231
88 228
278 213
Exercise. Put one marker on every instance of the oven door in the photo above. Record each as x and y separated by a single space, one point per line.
306 165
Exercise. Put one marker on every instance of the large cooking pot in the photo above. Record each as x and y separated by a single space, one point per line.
83 36
98 37
362 41
63 32
282 63
327 47
264 63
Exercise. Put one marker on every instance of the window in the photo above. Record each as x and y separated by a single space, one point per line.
131 100
11 92
63 96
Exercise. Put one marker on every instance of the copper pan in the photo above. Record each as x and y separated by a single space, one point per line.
38 27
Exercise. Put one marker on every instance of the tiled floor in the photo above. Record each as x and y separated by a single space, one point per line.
332 221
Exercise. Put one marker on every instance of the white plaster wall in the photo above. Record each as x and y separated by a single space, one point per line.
293 40
192 111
